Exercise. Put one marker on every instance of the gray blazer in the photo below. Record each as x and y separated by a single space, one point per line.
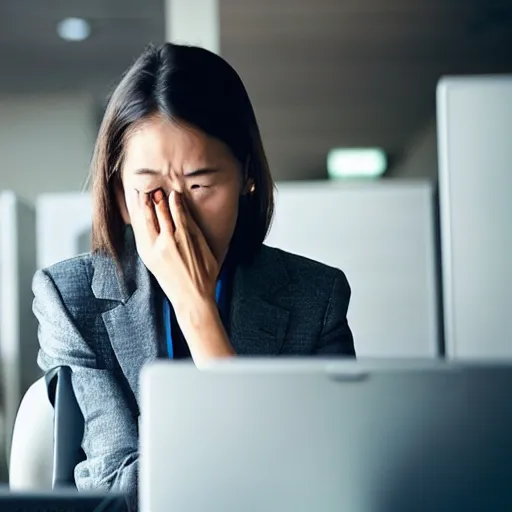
107 328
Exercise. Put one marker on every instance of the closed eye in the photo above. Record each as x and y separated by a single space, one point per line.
150 192
196 186
145 191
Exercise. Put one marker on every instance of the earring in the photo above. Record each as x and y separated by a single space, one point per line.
252 189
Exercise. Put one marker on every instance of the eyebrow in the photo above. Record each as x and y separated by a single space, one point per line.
144 171
200 172
192 174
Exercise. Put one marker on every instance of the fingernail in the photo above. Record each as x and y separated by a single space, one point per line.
158 195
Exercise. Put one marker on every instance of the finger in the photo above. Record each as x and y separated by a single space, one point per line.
146 208
163 213
178 213
192 224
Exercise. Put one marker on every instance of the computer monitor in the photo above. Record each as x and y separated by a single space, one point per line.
274 435
475 189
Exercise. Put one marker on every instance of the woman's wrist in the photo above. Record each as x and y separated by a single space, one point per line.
196 314
203 330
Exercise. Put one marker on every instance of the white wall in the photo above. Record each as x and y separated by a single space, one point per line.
45 143
420 159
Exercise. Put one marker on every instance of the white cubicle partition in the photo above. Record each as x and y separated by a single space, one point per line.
474 116
63 226
18 327
381 234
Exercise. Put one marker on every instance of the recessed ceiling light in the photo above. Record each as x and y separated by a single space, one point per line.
356 163
74 29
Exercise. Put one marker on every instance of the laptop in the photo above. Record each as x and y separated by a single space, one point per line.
60 500
326 436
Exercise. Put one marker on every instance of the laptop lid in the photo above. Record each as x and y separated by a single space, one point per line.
294 435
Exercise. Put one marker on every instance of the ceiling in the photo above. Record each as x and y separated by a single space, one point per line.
321 73
34 59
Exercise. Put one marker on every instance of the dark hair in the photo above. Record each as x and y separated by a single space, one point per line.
195 86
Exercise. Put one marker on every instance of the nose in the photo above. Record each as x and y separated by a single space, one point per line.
176 182
173 182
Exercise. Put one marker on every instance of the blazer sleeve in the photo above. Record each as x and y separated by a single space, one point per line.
336 336
110 439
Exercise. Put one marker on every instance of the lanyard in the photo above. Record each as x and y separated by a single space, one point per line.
168 313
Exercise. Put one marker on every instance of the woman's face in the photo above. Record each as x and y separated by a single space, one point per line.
162 154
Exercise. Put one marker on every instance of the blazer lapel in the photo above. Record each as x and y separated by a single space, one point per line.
132 324
257 325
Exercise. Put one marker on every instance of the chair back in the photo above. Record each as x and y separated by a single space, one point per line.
68 427
31 457
46 441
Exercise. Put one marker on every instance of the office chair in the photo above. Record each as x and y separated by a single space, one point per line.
68 427
46 442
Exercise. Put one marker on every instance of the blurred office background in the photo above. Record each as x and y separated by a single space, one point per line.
323 75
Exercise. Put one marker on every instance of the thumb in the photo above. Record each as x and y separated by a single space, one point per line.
177 210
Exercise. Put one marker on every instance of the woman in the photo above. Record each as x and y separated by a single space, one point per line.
182 201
